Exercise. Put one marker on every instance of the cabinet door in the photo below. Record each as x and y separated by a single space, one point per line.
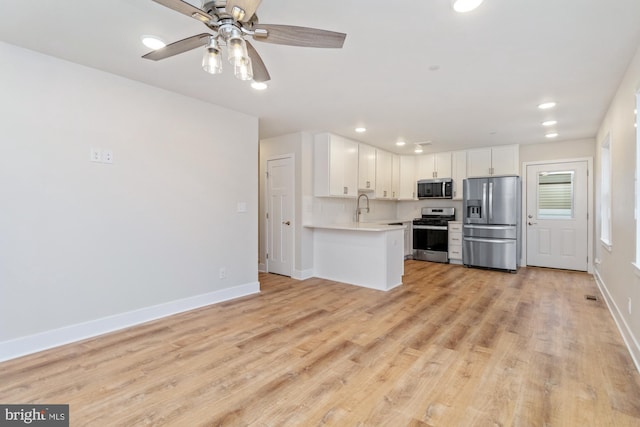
426 166
395 176
407 178
366 167
383 174
442 165
479 162
505 160
458 172
337 186
350 167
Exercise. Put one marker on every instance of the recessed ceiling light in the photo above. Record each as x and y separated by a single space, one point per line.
465 5
400 143
546 105
259 85
152 42
549 123
418 150
360 130
552 135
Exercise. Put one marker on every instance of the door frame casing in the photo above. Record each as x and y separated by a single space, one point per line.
292 177
590 207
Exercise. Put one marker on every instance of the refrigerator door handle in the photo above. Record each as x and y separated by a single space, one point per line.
475 239
490 201
489 227
484 199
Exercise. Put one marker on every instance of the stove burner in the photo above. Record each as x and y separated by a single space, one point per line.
435 216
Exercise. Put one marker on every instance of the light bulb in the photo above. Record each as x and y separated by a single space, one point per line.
242 68
211 61
237 48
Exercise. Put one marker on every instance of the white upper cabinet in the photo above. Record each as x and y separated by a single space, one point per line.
458 172
366 168
437 165
384 165
407 178
499 160
395 176
335 170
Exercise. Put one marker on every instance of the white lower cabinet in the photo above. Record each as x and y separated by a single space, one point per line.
455 242
408 240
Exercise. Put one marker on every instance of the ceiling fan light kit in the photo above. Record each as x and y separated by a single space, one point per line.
232 21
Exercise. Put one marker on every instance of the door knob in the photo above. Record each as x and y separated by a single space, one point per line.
529 216
532 223
286 222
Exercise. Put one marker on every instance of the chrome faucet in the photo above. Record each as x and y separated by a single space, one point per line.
359 209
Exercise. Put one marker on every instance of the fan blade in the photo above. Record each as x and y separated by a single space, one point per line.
260 73
178 47
186 9
249 7
298 36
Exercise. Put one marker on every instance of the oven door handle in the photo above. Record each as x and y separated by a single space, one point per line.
430 227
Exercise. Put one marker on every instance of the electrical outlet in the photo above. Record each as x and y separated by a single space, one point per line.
223 273
96 155
107 156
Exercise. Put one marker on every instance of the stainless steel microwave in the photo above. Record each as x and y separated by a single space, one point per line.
435 188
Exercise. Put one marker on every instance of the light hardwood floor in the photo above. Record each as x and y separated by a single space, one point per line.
451 347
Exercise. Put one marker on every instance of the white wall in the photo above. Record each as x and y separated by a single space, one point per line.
618 277
81 241
557 150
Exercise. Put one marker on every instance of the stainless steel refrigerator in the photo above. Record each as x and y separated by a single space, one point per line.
491 222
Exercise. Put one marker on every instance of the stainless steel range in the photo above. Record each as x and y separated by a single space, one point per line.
431 236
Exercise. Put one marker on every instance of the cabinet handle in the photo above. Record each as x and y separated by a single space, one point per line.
346 190
368 184
385 193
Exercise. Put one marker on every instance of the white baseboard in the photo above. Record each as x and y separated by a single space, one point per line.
45 340
302 274
262 268
627 335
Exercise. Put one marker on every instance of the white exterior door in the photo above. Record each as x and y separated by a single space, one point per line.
557 215
280 216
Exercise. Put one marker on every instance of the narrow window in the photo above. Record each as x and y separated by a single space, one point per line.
605 192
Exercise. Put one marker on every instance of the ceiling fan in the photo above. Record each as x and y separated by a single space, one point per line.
231 21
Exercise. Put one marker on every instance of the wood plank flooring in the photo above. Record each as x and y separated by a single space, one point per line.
451 347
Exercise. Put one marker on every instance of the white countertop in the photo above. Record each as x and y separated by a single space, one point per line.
389 221
358 226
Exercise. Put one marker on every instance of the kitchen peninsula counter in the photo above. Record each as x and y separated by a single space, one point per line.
362 254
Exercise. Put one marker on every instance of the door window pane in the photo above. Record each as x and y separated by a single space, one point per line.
555 195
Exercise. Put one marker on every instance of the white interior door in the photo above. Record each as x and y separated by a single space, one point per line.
557 215
280 216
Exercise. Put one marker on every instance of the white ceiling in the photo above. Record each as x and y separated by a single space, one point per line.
494 65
